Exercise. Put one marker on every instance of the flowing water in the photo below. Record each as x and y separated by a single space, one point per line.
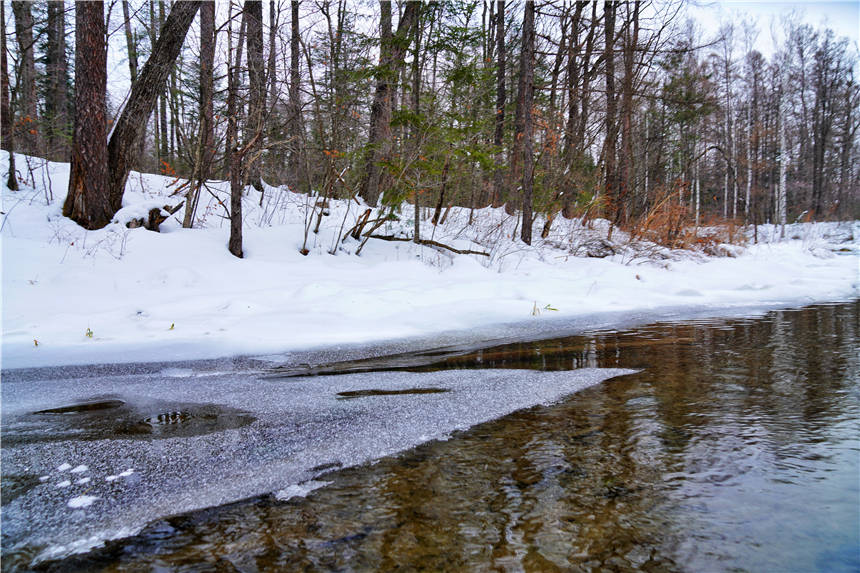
736 448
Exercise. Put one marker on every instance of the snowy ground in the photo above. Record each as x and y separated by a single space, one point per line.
72 296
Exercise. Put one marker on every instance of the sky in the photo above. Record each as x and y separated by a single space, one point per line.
842 17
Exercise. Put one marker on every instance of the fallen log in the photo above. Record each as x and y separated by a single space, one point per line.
430 243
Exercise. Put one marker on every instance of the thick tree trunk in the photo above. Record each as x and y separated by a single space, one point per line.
89 202
131 124
527 98
391 52
27 98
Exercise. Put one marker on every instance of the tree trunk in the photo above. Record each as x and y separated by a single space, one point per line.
612 195
527 99
162 107
88 202
131 124
206 138
294 117
585 93
234 156
573 72
56 104
130 43
256 90
630 47
6 124
27 98
416 110
499 134
391 52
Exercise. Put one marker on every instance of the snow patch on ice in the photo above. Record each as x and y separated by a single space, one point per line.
300 490
82 501
64 467
64 483
80 469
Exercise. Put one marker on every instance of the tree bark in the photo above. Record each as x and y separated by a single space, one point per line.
131 124
162 105
27 98
609 145
626 174
6 120
130 43
7 132
499 133
89 200
294 117
527 99
206 137
57 104
234 156
256 89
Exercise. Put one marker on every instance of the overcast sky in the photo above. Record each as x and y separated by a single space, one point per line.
842 17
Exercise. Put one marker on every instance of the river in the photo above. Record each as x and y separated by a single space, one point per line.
734 447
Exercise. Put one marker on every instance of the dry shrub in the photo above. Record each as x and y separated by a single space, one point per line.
670 224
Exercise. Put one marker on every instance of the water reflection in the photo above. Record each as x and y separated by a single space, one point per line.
736 448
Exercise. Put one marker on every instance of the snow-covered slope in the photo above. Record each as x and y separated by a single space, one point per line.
72 296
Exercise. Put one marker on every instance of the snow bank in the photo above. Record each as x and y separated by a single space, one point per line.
72 296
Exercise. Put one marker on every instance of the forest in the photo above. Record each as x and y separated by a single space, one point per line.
625 111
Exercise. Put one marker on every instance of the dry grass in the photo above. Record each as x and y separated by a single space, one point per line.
670 224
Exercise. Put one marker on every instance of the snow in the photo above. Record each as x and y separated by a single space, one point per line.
80 469
72 296
300 490
82 501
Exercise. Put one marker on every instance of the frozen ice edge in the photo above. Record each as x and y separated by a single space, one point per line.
470 403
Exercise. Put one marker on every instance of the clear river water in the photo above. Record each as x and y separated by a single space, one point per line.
736 447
